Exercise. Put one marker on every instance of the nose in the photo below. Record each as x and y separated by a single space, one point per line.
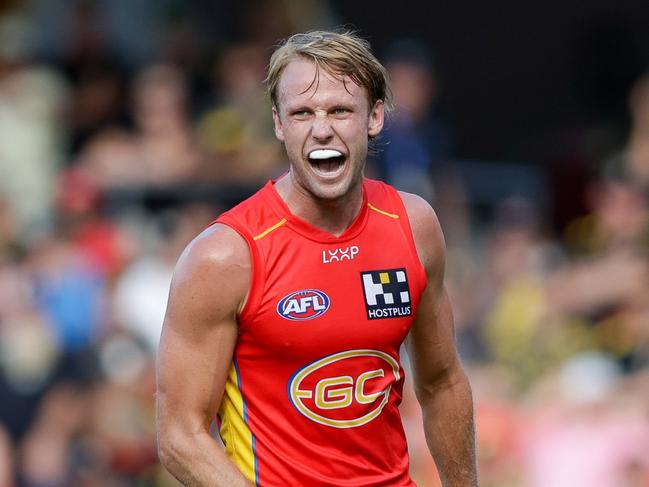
321 130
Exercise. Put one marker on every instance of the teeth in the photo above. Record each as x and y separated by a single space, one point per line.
324 154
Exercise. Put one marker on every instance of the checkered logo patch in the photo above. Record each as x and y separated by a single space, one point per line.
386 294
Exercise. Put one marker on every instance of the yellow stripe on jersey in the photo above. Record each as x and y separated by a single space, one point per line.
235 433
271 229
391 215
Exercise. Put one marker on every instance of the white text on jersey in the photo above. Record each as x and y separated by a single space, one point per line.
338 255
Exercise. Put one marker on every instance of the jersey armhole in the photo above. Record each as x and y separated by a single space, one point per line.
253 298
407 230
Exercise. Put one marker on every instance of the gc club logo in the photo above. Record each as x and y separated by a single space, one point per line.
344 390
303 305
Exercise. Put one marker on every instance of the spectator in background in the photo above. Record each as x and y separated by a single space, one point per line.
79 204
607 283
633 162
28 352
166 146
98 102
79 30
32 99
82 47
499 423
71 293
415 138
585 429
140 295
47 450
237 130
618 219
519 327
162 151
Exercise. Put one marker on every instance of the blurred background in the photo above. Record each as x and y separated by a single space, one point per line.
126 126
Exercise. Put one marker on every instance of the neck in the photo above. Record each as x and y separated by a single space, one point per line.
331 215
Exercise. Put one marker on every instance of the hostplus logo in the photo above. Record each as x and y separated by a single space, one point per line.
386 294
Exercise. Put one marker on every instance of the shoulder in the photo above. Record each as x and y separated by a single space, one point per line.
219 258
254 214
426 230
217 246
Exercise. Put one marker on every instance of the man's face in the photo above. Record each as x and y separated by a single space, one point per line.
325 125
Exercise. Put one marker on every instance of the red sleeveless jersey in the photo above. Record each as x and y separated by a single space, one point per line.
313 392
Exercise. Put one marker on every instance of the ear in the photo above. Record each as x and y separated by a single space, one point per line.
279 131
376 119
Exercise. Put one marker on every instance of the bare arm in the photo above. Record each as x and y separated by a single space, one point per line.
442 388
209 287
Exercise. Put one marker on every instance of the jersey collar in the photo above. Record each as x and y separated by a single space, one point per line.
308 230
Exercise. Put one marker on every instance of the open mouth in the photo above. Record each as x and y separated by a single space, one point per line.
327 162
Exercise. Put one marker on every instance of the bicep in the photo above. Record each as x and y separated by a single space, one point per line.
431 342
200 331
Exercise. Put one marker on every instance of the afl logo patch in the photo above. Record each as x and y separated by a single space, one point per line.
344 390
303 305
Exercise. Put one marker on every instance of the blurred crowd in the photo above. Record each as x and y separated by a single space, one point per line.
126 127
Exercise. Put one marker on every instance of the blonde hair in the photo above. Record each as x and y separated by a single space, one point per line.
338 53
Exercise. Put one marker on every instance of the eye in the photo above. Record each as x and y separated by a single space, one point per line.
341 110
301 114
